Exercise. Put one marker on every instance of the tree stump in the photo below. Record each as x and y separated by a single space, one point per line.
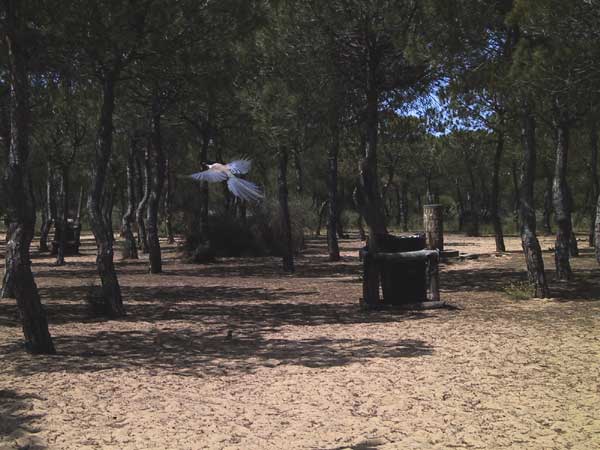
433 222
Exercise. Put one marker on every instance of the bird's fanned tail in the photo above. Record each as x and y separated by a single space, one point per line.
244 189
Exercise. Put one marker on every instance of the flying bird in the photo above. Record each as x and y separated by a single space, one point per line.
239 187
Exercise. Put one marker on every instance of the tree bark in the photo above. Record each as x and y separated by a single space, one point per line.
320 215
496 220
50 210
129 246
144 174
167 204
516 197
206 134
20 204
286 225
370 203
298 168
332 202
111 290
404 207
460 206
157 179
79 205
595 183
529 240
562 204
474 204
62 217
597 229
548 205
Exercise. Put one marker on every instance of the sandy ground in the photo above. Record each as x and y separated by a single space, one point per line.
304 367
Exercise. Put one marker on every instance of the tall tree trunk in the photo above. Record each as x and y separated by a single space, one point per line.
405 207
474 204
356 197
167 204
597 229
548 203
562 204
573 248
516 197
298 168
286 224
108 206
370 201
79 205
157 179
320 216
129 246
63 216
460 206
19 198
595 183
206 134
50 210
496 220
529 240
339 223
332 201
111 291
144 174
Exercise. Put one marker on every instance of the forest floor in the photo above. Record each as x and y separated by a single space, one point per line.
305 368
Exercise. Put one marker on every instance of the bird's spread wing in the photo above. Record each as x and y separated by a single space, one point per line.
244 189
240 166
210 175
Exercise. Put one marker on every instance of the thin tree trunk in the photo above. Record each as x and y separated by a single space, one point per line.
370 201
516 197
108 206
19 198
562 205
129 246
573 248
474 204
286 225
595 183
206 132
597 229
320 215
61 227
529 240
298 168
460 206
167 204
79 205
339 224
404 207
496 220
157 179
371 204
111 291
50 210
144 174
332 201
548 202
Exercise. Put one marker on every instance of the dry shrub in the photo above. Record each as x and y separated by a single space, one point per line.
259 234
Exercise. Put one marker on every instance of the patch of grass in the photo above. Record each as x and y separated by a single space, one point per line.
519 290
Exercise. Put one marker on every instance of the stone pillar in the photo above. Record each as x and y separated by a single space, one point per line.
433 222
